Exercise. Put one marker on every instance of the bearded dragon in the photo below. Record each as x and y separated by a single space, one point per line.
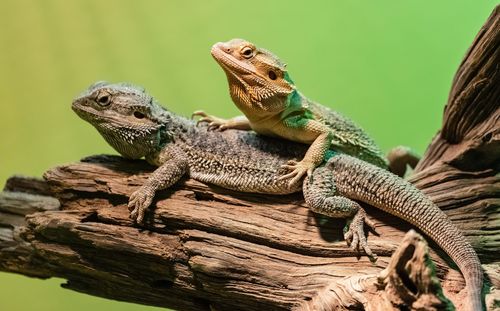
262 89
136 126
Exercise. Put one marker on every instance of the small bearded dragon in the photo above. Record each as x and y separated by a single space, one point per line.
262 89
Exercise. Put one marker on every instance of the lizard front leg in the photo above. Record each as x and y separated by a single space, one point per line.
305 131
216 123
163 177
321 196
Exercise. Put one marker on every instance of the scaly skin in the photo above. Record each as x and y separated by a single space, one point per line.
262 89
136 126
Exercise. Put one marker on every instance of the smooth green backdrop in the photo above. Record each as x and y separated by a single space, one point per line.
386 64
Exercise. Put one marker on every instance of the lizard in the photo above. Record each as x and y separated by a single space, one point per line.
261 87
137 126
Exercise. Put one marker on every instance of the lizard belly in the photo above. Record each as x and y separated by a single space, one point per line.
276 128
265 126
298 135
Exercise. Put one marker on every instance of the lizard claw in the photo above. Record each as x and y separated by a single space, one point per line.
354 233
371 224
217 126
199 113
298 170
139 201
204 119
214 123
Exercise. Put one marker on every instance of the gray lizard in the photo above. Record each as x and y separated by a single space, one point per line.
136 126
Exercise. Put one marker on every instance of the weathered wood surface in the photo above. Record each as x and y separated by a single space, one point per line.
206 248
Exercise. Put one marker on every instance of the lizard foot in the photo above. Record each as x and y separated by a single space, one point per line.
139 202
298 170
354 233
214 123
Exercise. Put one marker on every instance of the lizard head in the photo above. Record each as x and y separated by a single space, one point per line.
256 76
126 116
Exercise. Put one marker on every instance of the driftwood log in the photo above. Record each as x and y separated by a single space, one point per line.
206 248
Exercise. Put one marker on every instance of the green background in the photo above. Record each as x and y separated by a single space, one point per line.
386 64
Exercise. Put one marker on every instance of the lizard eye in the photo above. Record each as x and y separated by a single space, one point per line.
247 52
104 100
272 75
139 115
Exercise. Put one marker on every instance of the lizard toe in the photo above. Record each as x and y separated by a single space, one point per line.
371 224
354 234
133 214
212 126
132 202
355 242
310 174
348 237
140 216
205 120
138 203
287 176
288 167
137 214
198 113
223 127
299 175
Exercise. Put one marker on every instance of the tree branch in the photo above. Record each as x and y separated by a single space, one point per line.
206 248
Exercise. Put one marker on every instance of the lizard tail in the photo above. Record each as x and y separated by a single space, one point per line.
362 181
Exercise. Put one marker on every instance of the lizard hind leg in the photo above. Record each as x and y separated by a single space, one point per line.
320 195
399 158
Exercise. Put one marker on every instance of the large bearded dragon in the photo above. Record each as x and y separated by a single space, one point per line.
136 126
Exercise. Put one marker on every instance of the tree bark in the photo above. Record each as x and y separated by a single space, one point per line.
207 248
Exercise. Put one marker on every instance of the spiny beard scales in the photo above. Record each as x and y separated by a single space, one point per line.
132 143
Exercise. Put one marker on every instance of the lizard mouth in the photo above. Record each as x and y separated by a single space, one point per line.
228 62
91 115
85 112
